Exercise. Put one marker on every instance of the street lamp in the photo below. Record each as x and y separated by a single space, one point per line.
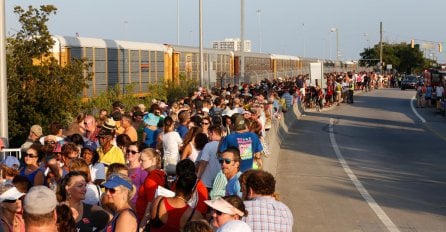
366 35
178 22
3 79
303 38
260 29
334 29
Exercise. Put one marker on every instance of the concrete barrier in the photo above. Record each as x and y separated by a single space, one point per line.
276 135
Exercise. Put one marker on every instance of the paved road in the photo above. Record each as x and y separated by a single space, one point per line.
370 166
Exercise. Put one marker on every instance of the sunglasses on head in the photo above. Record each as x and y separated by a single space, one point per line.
50 142
226 160
133 152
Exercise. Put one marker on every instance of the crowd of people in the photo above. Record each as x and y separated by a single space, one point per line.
193 165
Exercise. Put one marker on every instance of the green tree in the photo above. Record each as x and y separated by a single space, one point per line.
40 91
402 57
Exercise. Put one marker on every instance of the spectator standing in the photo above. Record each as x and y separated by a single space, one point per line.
184 119
189 149
172 213
11 209
91 128
91 157
39 210
93 194
150 132
227 214
109 153
265 212
230 166
136 173
199 191
32 170
72 191
208 165
172 143
151 162
247 142
138 124
126 123
119 191
34 135
102 117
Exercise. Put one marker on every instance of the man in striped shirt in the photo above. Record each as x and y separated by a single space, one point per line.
265 212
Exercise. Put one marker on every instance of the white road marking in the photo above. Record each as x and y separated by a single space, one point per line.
367 197
415 111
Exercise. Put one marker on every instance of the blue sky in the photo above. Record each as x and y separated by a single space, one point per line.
291 27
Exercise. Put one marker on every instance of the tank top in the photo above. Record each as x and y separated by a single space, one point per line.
194 153
85 223
173 218
111 227
31 175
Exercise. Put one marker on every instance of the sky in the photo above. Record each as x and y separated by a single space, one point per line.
288 27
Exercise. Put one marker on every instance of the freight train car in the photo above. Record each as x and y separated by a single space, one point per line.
120 63
117 63
217 64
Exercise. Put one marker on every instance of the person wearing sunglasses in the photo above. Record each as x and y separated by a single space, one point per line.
230 166
136 172
205 124
32 170
119 190
10 209
227 214
72 191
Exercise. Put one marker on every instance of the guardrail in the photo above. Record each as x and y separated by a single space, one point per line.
17 152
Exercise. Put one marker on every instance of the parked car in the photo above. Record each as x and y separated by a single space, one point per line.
409 82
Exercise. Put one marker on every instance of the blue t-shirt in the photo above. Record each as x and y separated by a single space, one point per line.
248 144
150 137
182 130
233 186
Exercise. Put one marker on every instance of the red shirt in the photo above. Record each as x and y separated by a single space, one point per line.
147 190
202 196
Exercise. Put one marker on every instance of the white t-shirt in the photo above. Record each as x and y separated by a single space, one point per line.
92 196
209 154
234 226
171 144
439 91
97 171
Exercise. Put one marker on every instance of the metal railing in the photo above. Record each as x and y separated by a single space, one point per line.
17 152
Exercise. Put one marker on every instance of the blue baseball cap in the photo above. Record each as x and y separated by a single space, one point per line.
90 146
114 181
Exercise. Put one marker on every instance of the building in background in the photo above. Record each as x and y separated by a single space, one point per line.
231 44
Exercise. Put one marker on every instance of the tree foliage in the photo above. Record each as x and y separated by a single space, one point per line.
40 91
402 57
166 91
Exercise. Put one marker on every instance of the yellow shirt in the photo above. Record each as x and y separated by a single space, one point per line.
115 155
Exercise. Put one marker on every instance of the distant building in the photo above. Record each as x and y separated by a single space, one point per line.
231 44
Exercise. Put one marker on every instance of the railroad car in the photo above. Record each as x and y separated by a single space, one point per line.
116 62
120 63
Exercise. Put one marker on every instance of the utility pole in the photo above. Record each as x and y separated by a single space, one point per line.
201 42
3 79
242 38
380 46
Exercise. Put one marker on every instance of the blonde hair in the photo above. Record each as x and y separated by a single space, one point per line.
131 192
152 154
